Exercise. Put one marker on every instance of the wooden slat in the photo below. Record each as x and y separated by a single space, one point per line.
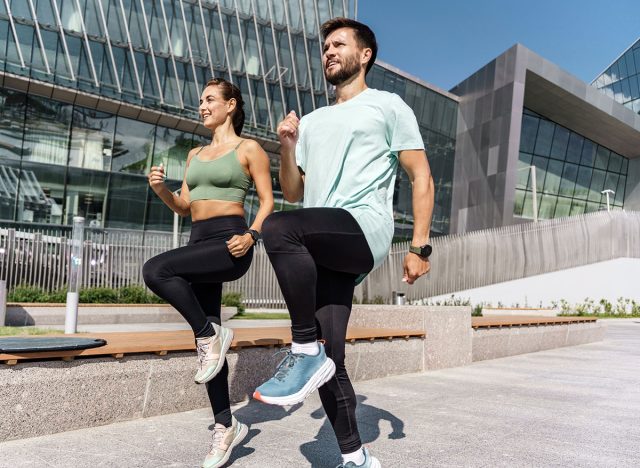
121 343
519 321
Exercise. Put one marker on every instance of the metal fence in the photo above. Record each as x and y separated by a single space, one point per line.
114 258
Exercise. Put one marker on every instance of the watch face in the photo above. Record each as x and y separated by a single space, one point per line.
426 250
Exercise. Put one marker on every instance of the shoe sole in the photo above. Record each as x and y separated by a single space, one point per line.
375 463
244 430
317 380
226 344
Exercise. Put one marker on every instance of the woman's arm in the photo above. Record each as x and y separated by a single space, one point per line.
258 165
180 204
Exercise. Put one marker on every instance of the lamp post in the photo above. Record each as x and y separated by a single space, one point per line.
75 275
608 192
534 190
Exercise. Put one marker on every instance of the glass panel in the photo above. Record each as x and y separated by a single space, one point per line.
528 134
583 182
92 139
41 194
575 148
588 153
592 207
519 203
133 146
568 179
541 169
597 184
552 180
85 196
619 197
563 207
615 162
524 171
560 141
602 157
44 12
159 216
527 211
547 206
578 207
9 182
611 182
71 20
544 139
171 149
127 196
12 108
47 128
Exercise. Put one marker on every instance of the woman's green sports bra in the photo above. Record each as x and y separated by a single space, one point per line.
222 178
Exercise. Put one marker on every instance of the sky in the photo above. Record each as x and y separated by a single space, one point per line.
444 41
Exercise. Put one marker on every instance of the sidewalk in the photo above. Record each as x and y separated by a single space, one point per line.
576 406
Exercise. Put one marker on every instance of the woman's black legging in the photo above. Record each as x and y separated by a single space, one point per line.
190 279
317 254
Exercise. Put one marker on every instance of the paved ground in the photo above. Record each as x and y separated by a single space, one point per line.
568 407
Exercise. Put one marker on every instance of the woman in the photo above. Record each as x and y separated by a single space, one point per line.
216 181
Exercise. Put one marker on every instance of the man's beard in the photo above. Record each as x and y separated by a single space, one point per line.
348 68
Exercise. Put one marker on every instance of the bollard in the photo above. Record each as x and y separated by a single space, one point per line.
75 275
400 300
3 302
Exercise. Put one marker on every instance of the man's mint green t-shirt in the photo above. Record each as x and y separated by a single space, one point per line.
349 154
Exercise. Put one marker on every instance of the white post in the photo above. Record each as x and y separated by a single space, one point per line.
608 192
3 302
176 223
75 275
535 194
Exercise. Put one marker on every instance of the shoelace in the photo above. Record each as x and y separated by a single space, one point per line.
202 347
287 363
218 436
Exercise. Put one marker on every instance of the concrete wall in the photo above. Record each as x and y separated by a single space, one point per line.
493 343
610 280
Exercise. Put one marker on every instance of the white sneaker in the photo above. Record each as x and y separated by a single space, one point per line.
212 352
224 439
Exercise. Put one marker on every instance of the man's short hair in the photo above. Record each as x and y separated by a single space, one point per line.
364 35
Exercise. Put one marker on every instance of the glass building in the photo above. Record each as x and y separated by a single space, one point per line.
94 92
621 80
571 171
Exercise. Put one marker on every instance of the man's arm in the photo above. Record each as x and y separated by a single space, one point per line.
416 165
291 180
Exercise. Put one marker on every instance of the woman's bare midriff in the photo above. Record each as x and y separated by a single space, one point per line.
205 209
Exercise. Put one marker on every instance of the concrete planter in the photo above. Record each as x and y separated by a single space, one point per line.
24 314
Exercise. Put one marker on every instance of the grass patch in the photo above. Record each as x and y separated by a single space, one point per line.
21 331
608 316
262 316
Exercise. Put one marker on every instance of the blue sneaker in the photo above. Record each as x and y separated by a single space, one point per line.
369 461
297 377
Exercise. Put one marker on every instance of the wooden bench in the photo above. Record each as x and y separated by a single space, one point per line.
525 321
126 343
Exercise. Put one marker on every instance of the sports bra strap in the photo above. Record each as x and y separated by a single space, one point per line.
241 141
201 148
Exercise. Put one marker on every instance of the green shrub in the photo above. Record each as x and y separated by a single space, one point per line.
98 296
233 299
477 311
26 294
57 297
378 300
137 295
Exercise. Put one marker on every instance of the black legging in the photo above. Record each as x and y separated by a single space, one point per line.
317 254
190 278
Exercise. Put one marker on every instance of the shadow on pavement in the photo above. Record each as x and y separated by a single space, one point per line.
255 413
324 451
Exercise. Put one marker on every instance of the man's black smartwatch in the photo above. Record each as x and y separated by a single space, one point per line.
423 251
255 235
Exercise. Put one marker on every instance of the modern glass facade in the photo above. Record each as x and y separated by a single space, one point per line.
436 115
159 54
62 156
621 80
571 171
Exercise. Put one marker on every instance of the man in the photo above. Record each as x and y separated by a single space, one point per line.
343 158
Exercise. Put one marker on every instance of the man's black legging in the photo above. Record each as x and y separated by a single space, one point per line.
190 279
317 254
